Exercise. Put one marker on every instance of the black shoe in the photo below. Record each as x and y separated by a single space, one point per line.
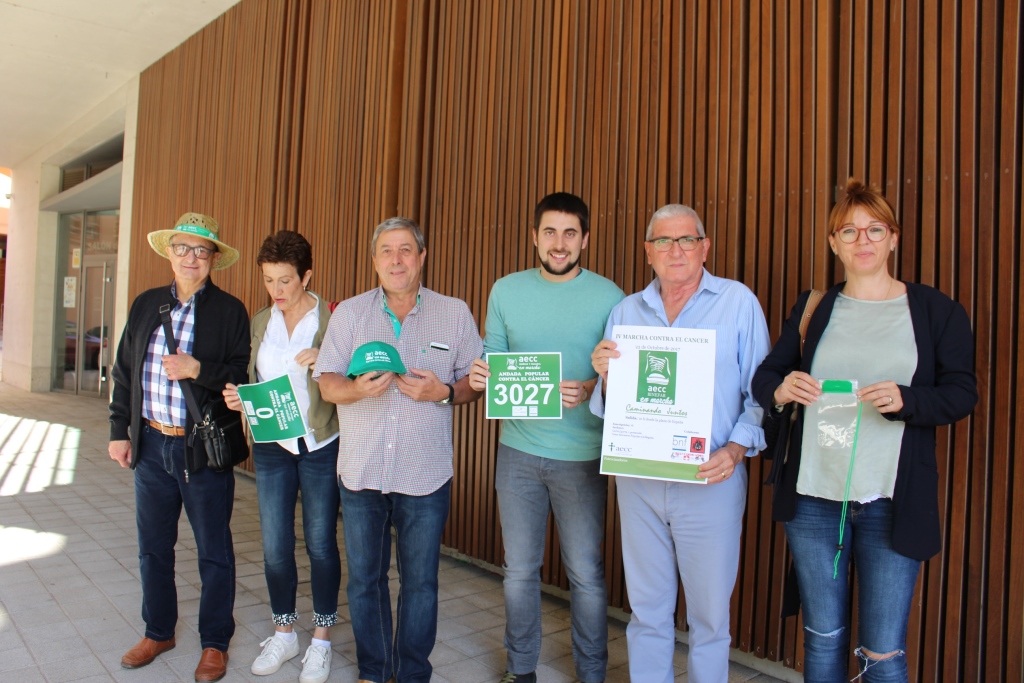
510 677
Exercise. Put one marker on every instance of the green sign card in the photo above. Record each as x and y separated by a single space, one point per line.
524 386
272 411
656 381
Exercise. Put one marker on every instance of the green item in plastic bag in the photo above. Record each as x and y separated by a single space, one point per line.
836 430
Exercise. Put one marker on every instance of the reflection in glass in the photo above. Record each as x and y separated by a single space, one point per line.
65 338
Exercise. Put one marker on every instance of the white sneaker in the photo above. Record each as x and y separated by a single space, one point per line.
275 653
316 665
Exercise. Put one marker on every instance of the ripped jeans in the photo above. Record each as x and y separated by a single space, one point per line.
885 589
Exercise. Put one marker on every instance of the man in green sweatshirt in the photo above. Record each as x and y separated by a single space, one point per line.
553 465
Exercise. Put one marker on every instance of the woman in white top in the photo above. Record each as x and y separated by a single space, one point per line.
286 339
867 494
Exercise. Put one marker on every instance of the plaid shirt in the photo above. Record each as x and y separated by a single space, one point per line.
162 399
392 443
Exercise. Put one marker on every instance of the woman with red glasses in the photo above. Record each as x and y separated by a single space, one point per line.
910 350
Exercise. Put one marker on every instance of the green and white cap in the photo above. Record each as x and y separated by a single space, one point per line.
375 356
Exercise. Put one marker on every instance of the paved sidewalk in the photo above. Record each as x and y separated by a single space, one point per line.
70 594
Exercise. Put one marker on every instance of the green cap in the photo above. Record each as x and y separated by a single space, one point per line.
375 357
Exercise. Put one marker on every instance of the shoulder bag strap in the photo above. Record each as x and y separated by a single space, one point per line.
779 451
172 346
812 303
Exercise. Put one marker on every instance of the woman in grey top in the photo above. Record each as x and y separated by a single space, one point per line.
910 350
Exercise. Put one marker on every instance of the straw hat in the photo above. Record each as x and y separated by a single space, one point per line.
201 226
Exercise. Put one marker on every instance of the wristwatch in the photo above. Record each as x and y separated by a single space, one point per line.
451 396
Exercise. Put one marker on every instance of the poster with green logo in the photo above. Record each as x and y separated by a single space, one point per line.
659 403
658 377
524 386
271 410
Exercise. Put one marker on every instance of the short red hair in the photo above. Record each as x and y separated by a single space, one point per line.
871 200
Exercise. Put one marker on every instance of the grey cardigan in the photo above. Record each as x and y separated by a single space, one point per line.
323 416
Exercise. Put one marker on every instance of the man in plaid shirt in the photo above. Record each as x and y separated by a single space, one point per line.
395 455
149 422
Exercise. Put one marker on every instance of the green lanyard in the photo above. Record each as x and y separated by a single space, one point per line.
836 386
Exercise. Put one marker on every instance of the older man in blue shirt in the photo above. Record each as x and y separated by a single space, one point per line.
671 526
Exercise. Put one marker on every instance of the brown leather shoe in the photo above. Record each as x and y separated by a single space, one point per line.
144 652
212 665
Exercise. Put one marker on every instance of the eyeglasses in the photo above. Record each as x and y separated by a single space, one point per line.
181 250
687 243
850 233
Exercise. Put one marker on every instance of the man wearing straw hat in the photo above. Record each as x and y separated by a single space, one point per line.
149 422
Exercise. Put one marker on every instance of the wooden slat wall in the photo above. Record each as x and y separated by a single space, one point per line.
329 117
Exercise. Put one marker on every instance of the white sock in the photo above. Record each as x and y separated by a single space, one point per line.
288 637
321 643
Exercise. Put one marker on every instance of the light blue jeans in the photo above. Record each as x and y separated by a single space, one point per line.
885 588
529 487
670 532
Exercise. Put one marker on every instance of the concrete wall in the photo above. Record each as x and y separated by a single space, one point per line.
32 236
5 188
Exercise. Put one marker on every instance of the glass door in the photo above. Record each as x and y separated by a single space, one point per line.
86 267
97 314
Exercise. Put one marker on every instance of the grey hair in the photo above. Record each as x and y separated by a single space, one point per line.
398 223
674 211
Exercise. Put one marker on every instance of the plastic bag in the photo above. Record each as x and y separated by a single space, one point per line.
835 416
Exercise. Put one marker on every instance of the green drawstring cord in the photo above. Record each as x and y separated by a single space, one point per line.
846 494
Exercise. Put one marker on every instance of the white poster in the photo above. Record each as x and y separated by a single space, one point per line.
70 292
659 403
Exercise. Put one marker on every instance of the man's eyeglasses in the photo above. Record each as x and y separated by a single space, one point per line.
181 250
687 243
850 233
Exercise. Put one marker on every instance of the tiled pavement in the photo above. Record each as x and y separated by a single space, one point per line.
70 595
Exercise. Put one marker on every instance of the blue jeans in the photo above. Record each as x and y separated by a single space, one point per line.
529 487
208 496
419 521
885 582
279 477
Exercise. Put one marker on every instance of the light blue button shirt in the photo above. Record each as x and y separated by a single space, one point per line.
741 333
